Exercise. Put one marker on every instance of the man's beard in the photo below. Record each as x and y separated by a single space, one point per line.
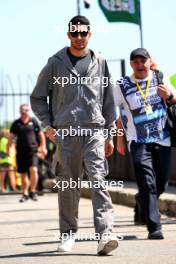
79 48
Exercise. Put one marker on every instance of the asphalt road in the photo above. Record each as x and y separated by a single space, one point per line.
29 234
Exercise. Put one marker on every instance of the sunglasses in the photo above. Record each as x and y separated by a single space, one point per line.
75 34
24 110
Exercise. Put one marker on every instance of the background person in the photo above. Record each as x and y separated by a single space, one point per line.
144 115
28 133
6 166
139 217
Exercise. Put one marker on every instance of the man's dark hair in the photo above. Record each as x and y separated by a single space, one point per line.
79 20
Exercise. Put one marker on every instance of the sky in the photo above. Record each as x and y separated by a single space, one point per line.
33 30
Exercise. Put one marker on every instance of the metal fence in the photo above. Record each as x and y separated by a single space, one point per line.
14 90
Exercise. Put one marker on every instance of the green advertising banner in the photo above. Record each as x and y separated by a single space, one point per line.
121 10
173 80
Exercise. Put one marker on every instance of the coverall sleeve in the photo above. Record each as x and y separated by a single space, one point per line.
38 98
109 111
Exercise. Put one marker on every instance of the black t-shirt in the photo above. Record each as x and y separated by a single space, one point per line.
81 64
26 134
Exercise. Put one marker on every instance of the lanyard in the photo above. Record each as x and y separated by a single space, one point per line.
140 90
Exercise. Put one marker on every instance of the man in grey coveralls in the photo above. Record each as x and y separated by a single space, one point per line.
84 105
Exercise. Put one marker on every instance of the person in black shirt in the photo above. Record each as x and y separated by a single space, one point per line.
29 136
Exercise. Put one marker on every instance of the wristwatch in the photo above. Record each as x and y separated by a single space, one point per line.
169 99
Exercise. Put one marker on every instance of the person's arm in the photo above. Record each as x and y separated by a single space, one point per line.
51 134
109 147
12 135
40 94
167 92
109 111
108 107
10 142
121 147
42 147
119 100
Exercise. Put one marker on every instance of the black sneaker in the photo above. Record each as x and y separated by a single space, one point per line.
33 196
156 235
24 198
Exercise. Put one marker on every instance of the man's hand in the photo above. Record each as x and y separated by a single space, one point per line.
42 152
121 147
109 147
163 91
154 65
51 134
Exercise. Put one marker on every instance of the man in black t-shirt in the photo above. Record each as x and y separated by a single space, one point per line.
29 136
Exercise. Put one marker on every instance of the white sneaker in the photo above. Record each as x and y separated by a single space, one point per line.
66 244
107 244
